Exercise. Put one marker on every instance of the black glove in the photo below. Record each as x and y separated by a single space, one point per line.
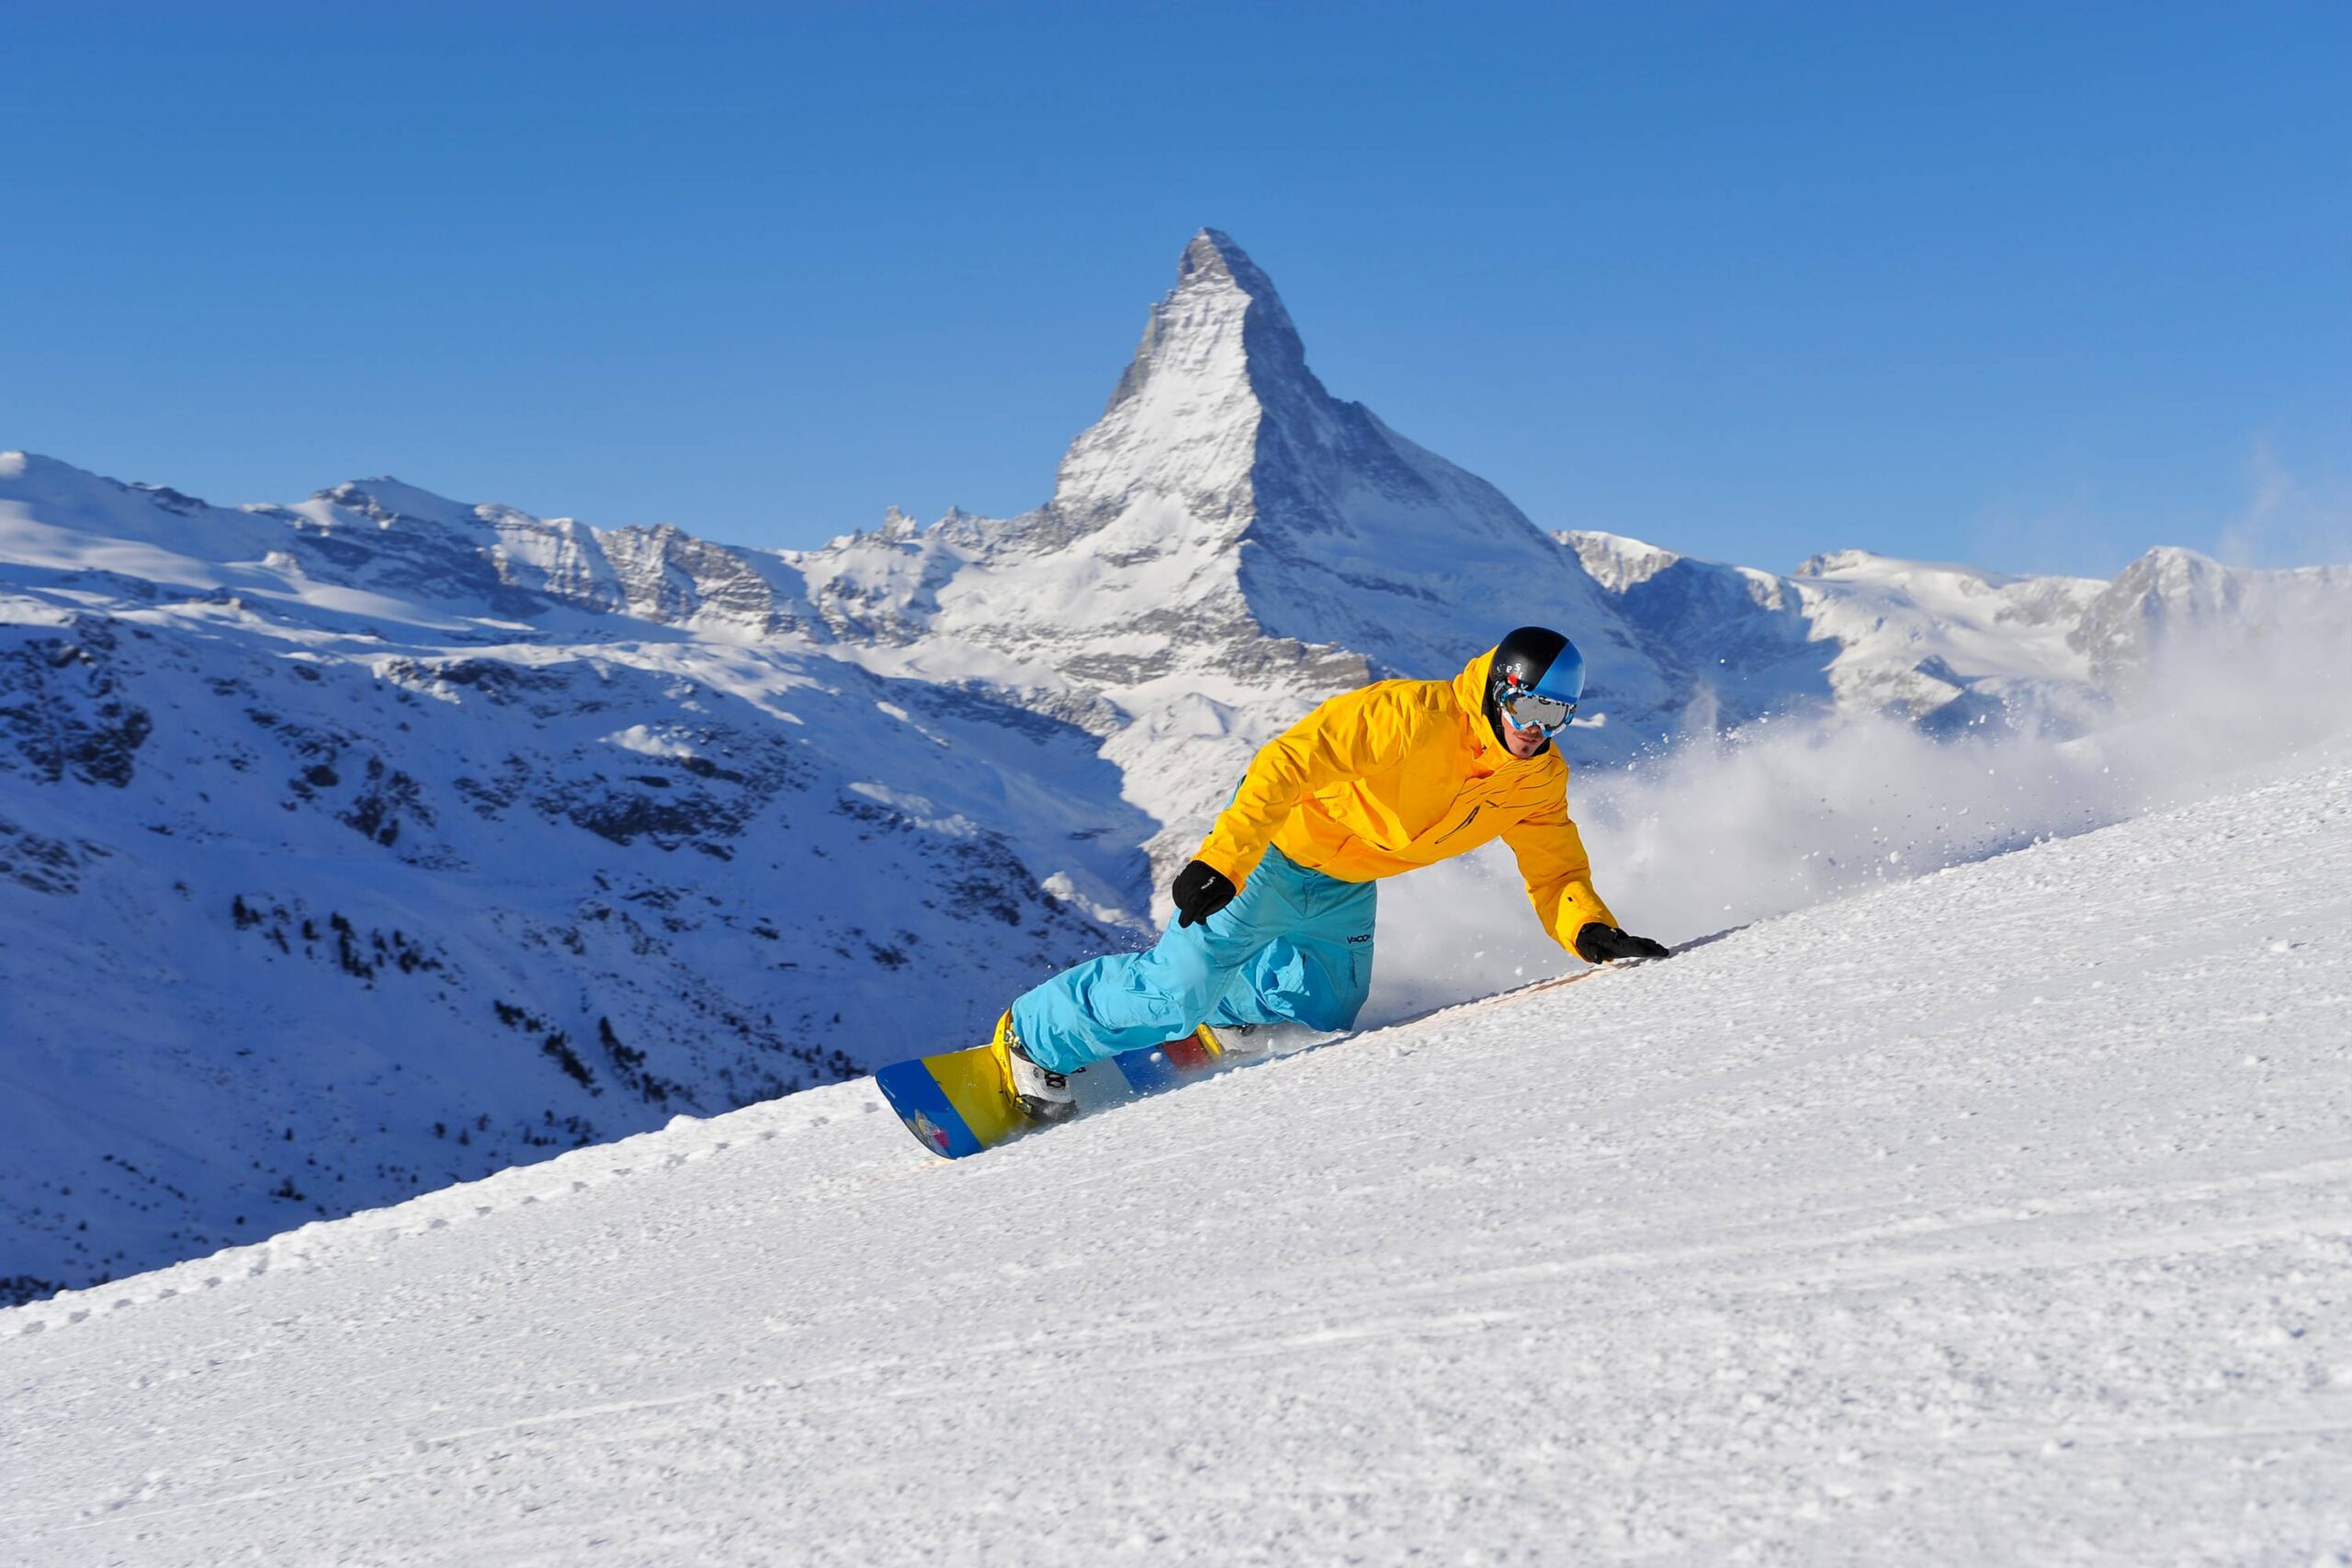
1597 944
1201 891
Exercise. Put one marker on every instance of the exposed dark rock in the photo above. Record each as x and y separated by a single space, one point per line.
63 709
45 865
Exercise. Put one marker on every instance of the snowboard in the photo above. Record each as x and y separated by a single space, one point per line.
957 1104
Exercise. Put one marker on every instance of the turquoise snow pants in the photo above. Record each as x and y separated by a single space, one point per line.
1294 947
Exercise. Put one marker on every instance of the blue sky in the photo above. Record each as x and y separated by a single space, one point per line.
2032 286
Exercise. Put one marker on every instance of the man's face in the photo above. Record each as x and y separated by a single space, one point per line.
1522 743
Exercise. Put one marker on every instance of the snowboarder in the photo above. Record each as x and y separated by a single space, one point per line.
1275 912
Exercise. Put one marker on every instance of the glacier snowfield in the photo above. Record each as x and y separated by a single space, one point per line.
2001 1215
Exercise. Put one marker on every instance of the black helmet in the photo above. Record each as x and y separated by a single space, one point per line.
1538 676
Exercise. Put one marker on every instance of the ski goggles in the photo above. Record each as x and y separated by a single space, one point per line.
1525 710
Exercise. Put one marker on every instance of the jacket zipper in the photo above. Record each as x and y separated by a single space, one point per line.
1459 825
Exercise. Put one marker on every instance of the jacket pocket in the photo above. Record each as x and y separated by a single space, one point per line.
1459 825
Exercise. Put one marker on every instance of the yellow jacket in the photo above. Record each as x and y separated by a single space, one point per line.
1405 773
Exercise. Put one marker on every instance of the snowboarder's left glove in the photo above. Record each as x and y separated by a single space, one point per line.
1201 891
1597 944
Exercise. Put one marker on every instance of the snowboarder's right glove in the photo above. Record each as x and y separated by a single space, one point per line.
1597 944
1201 891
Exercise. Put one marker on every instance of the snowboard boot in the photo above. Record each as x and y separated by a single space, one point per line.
1238 1038
1043 1096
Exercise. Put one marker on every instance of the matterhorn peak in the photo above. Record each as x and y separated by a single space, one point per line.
1250 499
1212 251
1183 423
1212 275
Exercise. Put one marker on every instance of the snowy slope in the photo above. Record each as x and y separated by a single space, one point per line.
359 888
2001 1215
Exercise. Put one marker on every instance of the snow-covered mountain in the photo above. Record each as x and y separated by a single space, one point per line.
1225 547
1950 647
355 846
321 878
2179 596
1883 1233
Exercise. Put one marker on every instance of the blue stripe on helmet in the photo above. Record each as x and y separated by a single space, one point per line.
1563 681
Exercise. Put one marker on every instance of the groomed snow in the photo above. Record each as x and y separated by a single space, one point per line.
2003 1215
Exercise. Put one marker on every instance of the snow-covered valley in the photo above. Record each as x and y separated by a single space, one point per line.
2002 1214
